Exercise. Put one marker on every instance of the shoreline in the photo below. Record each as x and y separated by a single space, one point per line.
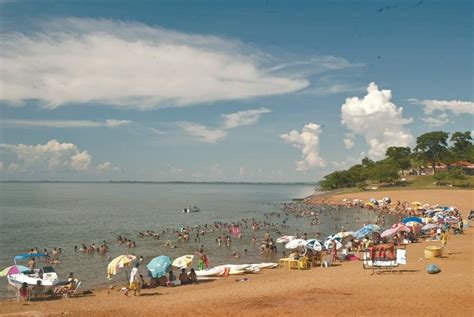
344 289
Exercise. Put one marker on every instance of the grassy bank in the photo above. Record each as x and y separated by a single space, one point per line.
414 183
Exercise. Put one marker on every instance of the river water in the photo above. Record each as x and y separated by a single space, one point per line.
47 215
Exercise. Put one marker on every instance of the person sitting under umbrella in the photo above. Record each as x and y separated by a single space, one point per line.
183 277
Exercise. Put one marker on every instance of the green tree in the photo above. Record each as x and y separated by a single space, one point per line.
432 147
384 172
455 174
400 156
462 147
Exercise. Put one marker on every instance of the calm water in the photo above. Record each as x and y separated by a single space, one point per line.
47 215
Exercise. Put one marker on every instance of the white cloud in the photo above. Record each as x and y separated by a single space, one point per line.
203 133
53 156
454 106
107 167
75 61
216 170
110 123
240 118
331 89
377 119
438 121
348 143
308 142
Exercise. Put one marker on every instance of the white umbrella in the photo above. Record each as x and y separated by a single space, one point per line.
329 242
285 239
294 244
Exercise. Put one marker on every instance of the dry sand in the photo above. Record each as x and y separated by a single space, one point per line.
345 289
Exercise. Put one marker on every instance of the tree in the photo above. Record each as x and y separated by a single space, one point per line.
462 147
384 172
400 156
432 147
456 173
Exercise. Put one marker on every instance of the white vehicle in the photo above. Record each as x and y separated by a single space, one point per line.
47 275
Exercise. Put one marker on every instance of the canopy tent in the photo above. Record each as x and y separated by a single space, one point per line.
159 266
119 262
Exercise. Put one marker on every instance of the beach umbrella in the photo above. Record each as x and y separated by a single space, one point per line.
285 239
374 201
314 244
13 269
119 262
412 219
329 242
417 203
396 228
366 230
429 226
294 244
159 266
344 234
183 261
387 200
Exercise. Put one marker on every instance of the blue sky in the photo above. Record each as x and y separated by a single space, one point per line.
225 90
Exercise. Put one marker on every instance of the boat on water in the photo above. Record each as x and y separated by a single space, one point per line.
191 209
46 274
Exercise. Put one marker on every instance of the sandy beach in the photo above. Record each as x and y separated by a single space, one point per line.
344 289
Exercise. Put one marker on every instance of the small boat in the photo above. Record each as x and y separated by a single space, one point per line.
46 274
191 209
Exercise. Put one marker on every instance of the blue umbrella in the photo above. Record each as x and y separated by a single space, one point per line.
159 266
365 230
410 219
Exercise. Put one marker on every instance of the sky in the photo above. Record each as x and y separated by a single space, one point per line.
257 91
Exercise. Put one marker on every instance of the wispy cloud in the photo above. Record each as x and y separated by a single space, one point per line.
76 61
240 118
202 133
110 123
454 106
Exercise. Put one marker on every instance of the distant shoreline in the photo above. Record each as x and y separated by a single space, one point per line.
165 182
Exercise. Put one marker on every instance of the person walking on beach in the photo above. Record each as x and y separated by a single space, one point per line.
135 282
444 241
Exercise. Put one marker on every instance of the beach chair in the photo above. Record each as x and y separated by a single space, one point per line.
303 263
72 292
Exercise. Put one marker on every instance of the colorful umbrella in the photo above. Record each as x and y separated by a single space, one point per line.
411 219
183 261
159 266
394 230
366 230
13 269
329 243
119 262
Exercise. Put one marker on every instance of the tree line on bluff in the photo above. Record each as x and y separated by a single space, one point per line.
431 148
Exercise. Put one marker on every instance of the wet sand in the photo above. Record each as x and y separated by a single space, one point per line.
345 289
